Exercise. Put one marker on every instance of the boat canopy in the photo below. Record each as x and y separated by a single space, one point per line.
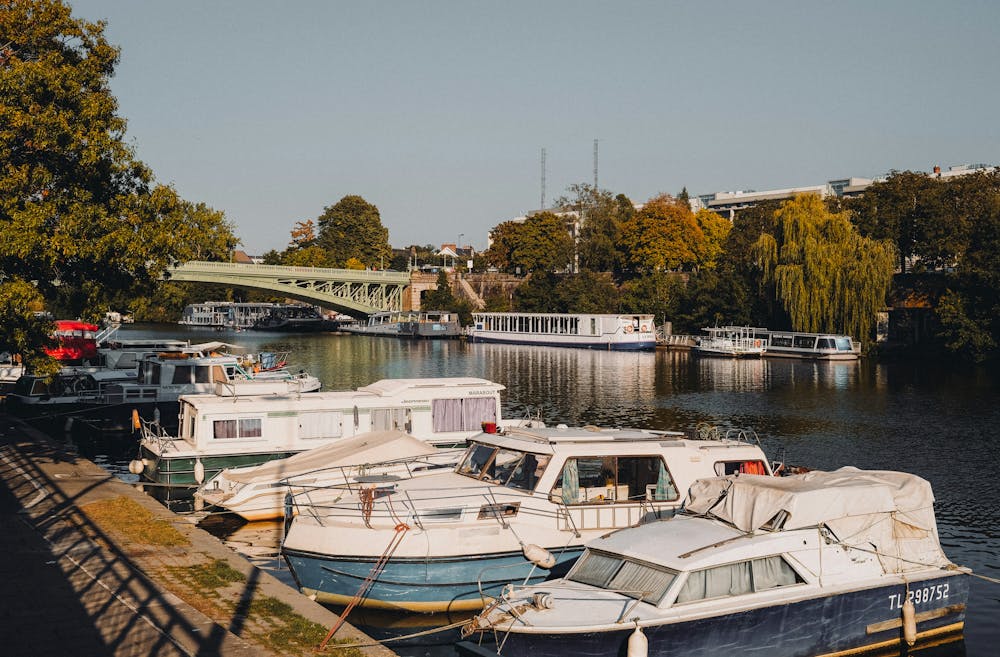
371 447
891 513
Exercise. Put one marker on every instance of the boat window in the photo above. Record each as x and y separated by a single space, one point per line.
614 479
203 374
844 344
781 341
462 414
242 428
182 374
153 374
638 580
723 468
384 419
320 425
504 464
824 343
475 459
738 579
440 515
595 568
805 341
528 471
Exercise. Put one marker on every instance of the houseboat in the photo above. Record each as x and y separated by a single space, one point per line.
520 504
797 344
294 318
216 432
825 563
729 342
225 314
609 332
431 324
381 324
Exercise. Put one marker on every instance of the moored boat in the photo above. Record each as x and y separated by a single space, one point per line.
590 331
801 344
519 504
431 324
729 342
217 432
831 563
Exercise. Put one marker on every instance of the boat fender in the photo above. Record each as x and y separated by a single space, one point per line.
628 328
136 422
638 644
199 471
909 623
539 556
135 466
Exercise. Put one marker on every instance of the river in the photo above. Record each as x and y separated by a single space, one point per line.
939 421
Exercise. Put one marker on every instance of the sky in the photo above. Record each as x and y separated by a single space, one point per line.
437 112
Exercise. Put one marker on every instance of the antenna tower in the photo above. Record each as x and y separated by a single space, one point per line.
595 165
542 206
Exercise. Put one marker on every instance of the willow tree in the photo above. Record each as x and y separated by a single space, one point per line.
826 275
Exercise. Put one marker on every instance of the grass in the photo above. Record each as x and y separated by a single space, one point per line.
214 574
128 517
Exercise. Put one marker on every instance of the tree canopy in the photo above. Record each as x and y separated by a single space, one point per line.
80 218
352 228
540 243
826 275
662 236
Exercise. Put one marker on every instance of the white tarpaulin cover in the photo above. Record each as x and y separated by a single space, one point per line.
891 513
371 447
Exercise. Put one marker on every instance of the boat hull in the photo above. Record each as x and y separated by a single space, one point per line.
180 471
419 585
837 625
634 345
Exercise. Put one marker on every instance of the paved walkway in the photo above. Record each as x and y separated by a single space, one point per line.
70 586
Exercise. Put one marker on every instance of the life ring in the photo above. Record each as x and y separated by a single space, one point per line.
756 343
628 328
644 328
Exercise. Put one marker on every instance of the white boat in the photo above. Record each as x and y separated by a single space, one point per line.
591 331
798 344
258 492
225 314
382 324
431 325
219 432
454 539
11 369
730 342
826 563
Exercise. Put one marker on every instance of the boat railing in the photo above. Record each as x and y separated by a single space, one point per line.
746 435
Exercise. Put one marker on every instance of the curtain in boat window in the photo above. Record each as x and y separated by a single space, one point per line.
570 483
772 572
717 582
640 581
595 569
250 428
665 489
462 414
224 429
384 419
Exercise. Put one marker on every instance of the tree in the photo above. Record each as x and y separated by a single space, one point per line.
600 215
587 292
352 228
715 229
441 298
503 240
544 244
80 217
662 236
827 276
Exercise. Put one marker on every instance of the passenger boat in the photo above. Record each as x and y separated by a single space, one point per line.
225 314
730 342
383 324
518 504
219 432
825 563
611 332
431 324
258 492
797 344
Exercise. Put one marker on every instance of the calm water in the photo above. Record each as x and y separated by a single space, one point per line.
940 423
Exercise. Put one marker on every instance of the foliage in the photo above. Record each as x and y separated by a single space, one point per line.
537 294
657 293
712 298
715 230
896 209
541 243
827 276
80 217
588 292
352 228
440 298
662 236
354 263
600 215
503 240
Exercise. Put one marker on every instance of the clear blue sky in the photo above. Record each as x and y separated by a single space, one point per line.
436 112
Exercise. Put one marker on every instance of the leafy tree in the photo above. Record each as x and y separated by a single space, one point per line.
655 292
587 292
80 217
441 298
827 276
712 298
895 209
354 263
662 236
600 215
352 228
503 239
538 294
309 256
544 245
715 229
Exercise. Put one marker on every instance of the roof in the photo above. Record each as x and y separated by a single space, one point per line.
388 387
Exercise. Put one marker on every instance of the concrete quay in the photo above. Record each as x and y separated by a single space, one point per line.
93 566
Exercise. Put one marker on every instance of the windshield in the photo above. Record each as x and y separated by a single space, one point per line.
617 573
507 467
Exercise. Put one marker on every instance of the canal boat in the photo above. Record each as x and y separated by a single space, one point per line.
590 331
258 493
519 505
825 563
431 324
799 344
729 342
217 432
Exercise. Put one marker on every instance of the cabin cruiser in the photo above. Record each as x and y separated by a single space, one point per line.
218 432
831 563
520 503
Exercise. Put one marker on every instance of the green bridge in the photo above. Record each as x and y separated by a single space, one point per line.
350 291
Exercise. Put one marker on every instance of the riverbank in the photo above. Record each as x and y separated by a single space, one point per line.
95 566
